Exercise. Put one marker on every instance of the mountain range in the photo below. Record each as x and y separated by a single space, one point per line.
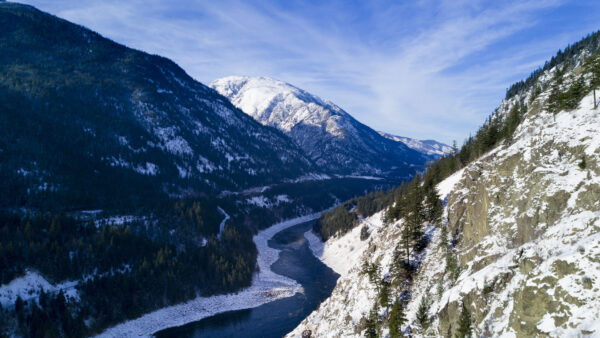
331 137
127 187
80 110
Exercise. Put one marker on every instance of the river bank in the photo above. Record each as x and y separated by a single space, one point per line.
267 286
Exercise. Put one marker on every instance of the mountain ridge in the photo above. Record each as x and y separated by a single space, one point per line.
429 147
330 136
514 251
128 114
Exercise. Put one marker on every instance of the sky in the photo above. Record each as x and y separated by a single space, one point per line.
426 69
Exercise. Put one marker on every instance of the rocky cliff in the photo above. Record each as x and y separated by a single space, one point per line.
522 221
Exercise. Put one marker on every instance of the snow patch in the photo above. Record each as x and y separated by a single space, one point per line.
267 286
30 285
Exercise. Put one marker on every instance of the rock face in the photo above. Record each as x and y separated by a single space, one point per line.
332 138
528 220
525 218
79 110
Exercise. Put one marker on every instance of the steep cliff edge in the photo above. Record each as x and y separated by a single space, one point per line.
521 229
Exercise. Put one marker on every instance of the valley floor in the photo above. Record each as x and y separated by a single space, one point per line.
267 286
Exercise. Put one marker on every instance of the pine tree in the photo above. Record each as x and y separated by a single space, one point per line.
364 233
423 313
464 323
371 330
398 263
384 294
397 319
413 202
434 206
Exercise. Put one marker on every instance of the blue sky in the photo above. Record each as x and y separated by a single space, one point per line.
424 69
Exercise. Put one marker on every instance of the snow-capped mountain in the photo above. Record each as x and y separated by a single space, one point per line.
332 138
429 147
516 251
79 110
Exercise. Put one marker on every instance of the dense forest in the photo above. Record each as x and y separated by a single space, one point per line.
124 270
344 217
158 256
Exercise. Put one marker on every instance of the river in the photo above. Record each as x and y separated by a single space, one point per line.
279 317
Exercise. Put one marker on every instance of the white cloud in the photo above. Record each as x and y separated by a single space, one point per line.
429 69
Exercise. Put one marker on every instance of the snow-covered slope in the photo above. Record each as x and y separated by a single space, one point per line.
525 218
330 136
428 147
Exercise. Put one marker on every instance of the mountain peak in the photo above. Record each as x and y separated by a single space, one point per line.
429 147
274 102
331 137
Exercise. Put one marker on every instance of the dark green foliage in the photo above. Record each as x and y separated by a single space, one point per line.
452 264
384 294
422 315
345 217
566 99
373 202
336 222
582 165
372 327
159 273
401 268
464 323
415 211
592 66
373 270
590 43
397 319
364 233
515 115
415 202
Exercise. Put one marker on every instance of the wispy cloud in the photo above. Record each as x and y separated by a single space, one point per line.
425 69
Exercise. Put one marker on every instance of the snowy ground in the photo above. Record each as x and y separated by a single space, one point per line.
29 286
342 253
354 294
267 286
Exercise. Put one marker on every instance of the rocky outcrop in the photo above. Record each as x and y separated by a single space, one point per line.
525 220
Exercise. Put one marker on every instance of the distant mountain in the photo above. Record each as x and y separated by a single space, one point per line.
87 122
332 138
428 147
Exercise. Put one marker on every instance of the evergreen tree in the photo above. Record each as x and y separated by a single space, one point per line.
364 233
398 263
434 205
384 294
406 239
397 319
423 313
464 323
372 322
